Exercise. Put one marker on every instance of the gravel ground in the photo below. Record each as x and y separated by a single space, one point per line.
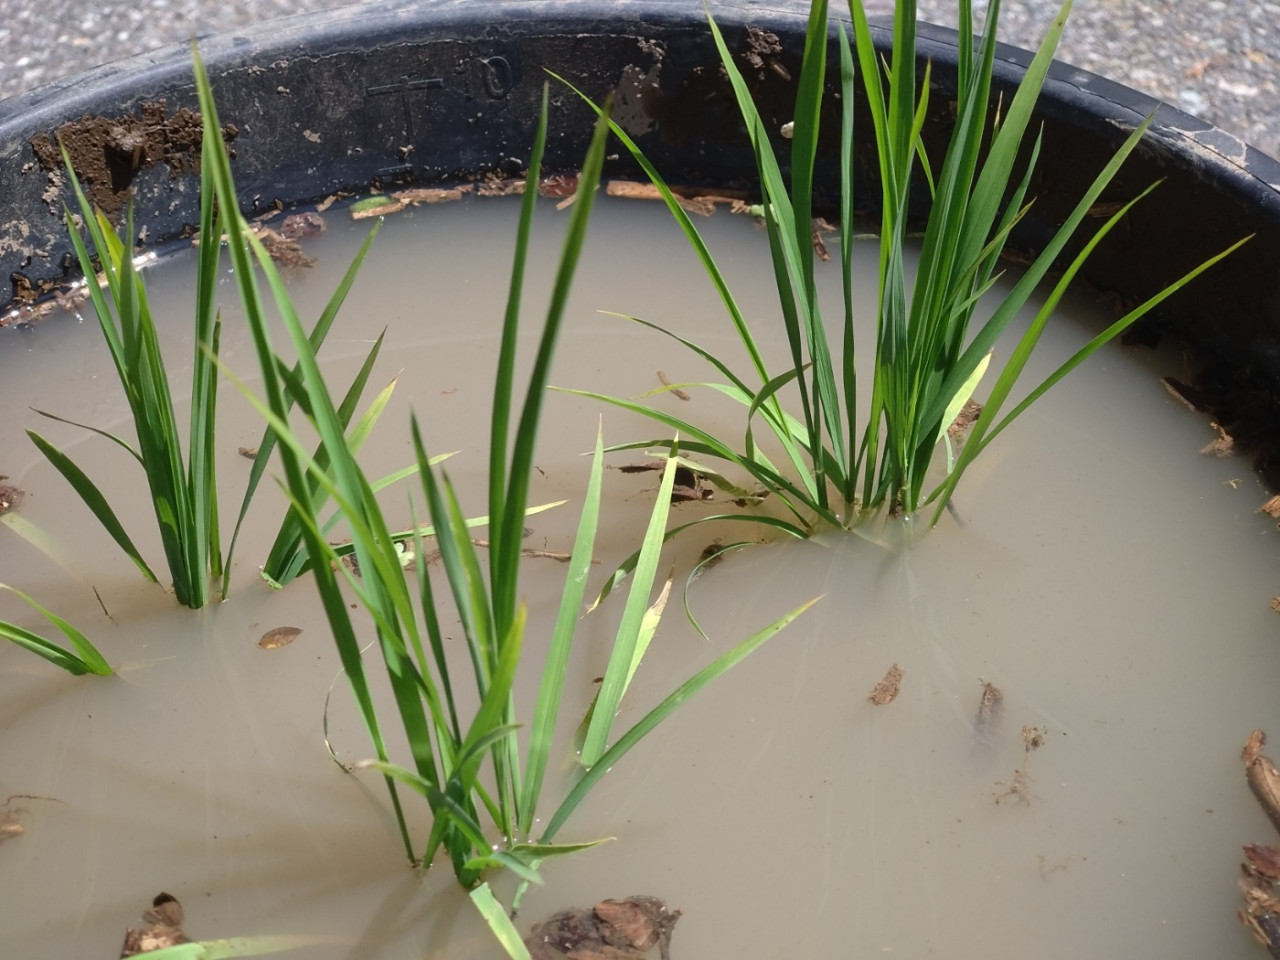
1217 59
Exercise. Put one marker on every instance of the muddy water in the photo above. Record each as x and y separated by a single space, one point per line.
1108 580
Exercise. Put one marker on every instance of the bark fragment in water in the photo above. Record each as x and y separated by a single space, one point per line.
163 928
1223 445
10 497
624 929
702 204
1262 776
965 419
1261 869
689 483
887 689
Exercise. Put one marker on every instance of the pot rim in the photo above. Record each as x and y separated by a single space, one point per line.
429 90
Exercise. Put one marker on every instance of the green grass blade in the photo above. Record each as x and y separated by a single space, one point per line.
230 947
848 366
796 499
86 658
521 465
691 233
496 917
504 556
784 427
774 526
618 672
88 491
547 707
986 337
242 256
106 435
317 338
981 435
287 558
659 713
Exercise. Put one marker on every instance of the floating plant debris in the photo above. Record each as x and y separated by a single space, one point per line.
1260 882
163 928
279 637
611 930
10 497
674 391
887 689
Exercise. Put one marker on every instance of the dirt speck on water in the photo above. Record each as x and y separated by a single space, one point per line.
108 152
887 689
10 497
990 707
10 827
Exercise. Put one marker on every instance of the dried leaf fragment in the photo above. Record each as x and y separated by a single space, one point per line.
701 204
500 187
1187 395
418 195
990 706
1032 738
965 419
1222 446
1263 860
376 206
163 928
559 186
674 391
1272 507
279 637
1262 775
10 497
887 689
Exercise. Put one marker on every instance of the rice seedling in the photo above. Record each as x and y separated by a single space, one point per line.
929 353
184 494
483 796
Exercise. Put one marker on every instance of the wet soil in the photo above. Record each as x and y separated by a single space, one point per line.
107 153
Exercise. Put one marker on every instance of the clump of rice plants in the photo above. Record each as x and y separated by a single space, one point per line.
931 350
182 487
482 788
183 490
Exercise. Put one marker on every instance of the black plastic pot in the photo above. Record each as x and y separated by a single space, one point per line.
419 92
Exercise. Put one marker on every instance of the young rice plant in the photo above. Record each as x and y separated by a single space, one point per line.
929 353
183 490
482 792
